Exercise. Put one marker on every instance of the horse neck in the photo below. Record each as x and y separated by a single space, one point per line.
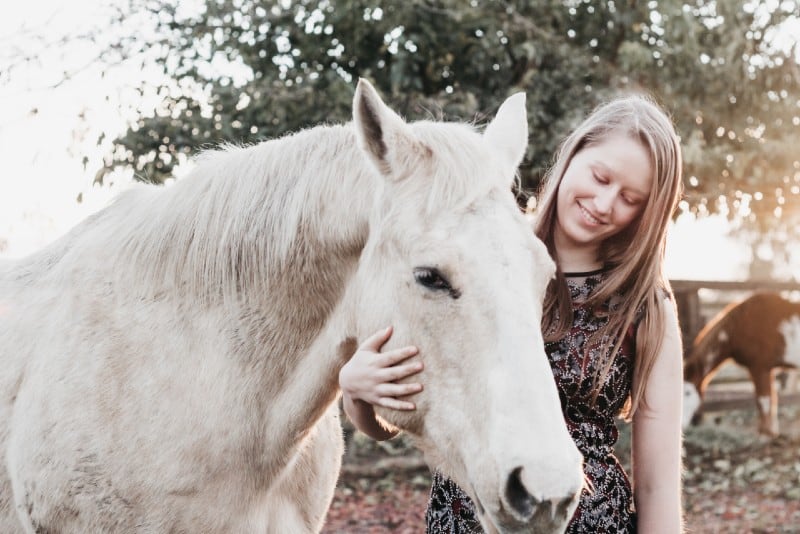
708 354
323 232
288 216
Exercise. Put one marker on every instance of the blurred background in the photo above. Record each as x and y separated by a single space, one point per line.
98 94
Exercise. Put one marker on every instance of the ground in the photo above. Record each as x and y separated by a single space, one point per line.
735 481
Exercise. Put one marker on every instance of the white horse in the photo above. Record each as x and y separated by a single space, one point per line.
170 365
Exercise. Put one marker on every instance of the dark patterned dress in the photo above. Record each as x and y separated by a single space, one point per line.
608 506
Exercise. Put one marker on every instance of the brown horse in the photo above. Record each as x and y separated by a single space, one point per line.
760 333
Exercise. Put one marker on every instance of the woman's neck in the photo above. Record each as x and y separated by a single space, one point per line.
575 256
577 259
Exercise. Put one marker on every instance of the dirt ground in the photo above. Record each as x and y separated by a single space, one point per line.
735 481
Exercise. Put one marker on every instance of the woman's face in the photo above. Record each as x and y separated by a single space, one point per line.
604 189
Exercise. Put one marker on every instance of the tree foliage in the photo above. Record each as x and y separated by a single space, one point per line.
244 70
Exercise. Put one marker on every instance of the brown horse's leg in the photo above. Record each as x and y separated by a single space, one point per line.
789 376
766 401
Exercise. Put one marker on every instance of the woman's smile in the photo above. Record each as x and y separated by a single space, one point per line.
590 219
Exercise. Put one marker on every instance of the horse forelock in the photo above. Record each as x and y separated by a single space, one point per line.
458 169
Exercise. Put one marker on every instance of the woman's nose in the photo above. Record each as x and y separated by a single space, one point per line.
604 201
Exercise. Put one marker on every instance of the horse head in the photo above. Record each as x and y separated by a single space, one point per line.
454 266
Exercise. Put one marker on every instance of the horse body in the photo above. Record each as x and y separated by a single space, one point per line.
157 382
760 333
137 418
171 363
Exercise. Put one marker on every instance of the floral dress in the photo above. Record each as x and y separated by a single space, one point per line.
608 506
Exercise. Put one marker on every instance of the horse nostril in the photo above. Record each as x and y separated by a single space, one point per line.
517 497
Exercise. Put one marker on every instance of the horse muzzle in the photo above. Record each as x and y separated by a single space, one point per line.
520 511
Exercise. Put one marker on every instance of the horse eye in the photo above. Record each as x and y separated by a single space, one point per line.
432 279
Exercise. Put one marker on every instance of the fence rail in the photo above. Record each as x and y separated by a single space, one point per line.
750 285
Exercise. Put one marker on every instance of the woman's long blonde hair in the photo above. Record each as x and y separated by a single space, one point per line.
634 258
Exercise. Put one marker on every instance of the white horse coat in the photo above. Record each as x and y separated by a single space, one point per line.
170 365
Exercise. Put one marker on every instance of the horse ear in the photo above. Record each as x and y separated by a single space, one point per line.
508 132
380 132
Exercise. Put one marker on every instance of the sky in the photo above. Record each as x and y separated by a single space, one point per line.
42 174
42 141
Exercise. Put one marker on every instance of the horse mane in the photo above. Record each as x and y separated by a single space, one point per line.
243 213
704 341
709 332
236 218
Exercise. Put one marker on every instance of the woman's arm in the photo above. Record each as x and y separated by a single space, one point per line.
367 380
657 437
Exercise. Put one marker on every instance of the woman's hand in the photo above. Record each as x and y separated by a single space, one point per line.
370 375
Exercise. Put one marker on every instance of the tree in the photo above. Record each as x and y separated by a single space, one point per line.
281 66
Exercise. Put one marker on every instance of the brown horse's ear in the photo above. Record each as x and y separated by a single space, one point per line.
383 135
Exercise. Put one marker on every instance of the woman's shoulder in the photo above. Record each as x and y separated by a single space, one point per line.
664 292
662 306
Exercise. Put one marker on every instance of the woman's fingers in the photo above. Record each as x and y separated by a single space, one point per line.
389 358
396 404
399 372
390 396
371 375
398 390
395 356
376 340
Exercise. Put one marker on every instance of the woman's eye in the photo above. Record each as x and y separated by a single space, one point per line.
431 278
